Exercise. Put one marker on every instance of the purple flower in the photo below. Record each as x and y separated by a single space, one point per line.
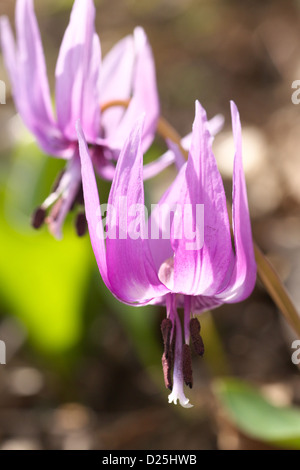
165 270
83 85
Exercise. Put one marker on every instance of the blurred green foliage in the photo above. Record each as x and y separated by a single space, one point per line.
257 417
42 281
45 283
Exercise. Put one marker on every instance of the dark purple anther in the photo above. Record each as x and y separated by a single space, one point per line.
166 330
196 337
167 370
187 365
38 218
81 224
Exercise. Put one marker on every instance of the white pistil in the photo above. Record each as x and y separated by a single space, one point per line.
177 391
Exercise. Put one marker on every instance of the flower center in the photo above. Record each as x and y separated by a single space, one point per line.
176 359
66 195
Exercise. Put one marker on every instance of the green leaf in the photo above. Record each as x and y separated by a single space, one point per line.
256 417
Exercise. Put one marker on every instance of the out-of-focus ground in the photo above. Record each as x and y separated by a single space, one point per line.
214 51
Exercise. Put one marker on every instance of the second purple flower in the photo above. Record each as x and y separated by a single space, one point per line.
84 84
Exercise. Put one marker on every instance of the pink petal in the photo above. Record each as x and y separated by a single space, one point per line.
202 303
105 167
160 223
215 124
77 74
9 50
243 278
201 266
144 96
174 154
27 70
116 80
32 62
131 270
92 206
157 166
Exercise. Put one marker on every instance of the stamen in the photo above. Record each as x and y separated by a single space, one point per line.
167 363
55 210
81 224
187 365
196 338
187 316
168 355
166 330
38 218
57 181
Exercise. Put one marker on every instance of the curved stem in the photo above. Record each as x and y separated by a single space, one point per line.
276 289
164 128
113 104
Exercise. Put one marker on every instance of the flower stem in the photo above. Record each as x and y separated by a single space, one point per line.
276 289
113 104
164 128
167 131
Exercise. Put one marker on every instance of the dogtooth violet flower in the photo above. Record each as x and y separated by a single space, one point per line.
84 83
140 269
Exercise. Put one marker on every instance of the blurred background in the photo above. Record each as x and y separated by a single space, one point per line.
84 371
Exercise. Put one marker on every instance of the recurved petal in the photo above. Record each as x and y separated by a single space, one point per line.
105 167
77 74
157 166
215 124
32 78
244 275
115 82
9 50
92 205
179 158
144 95
174 154
27 70
131 270
202 303
160 227
201 238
